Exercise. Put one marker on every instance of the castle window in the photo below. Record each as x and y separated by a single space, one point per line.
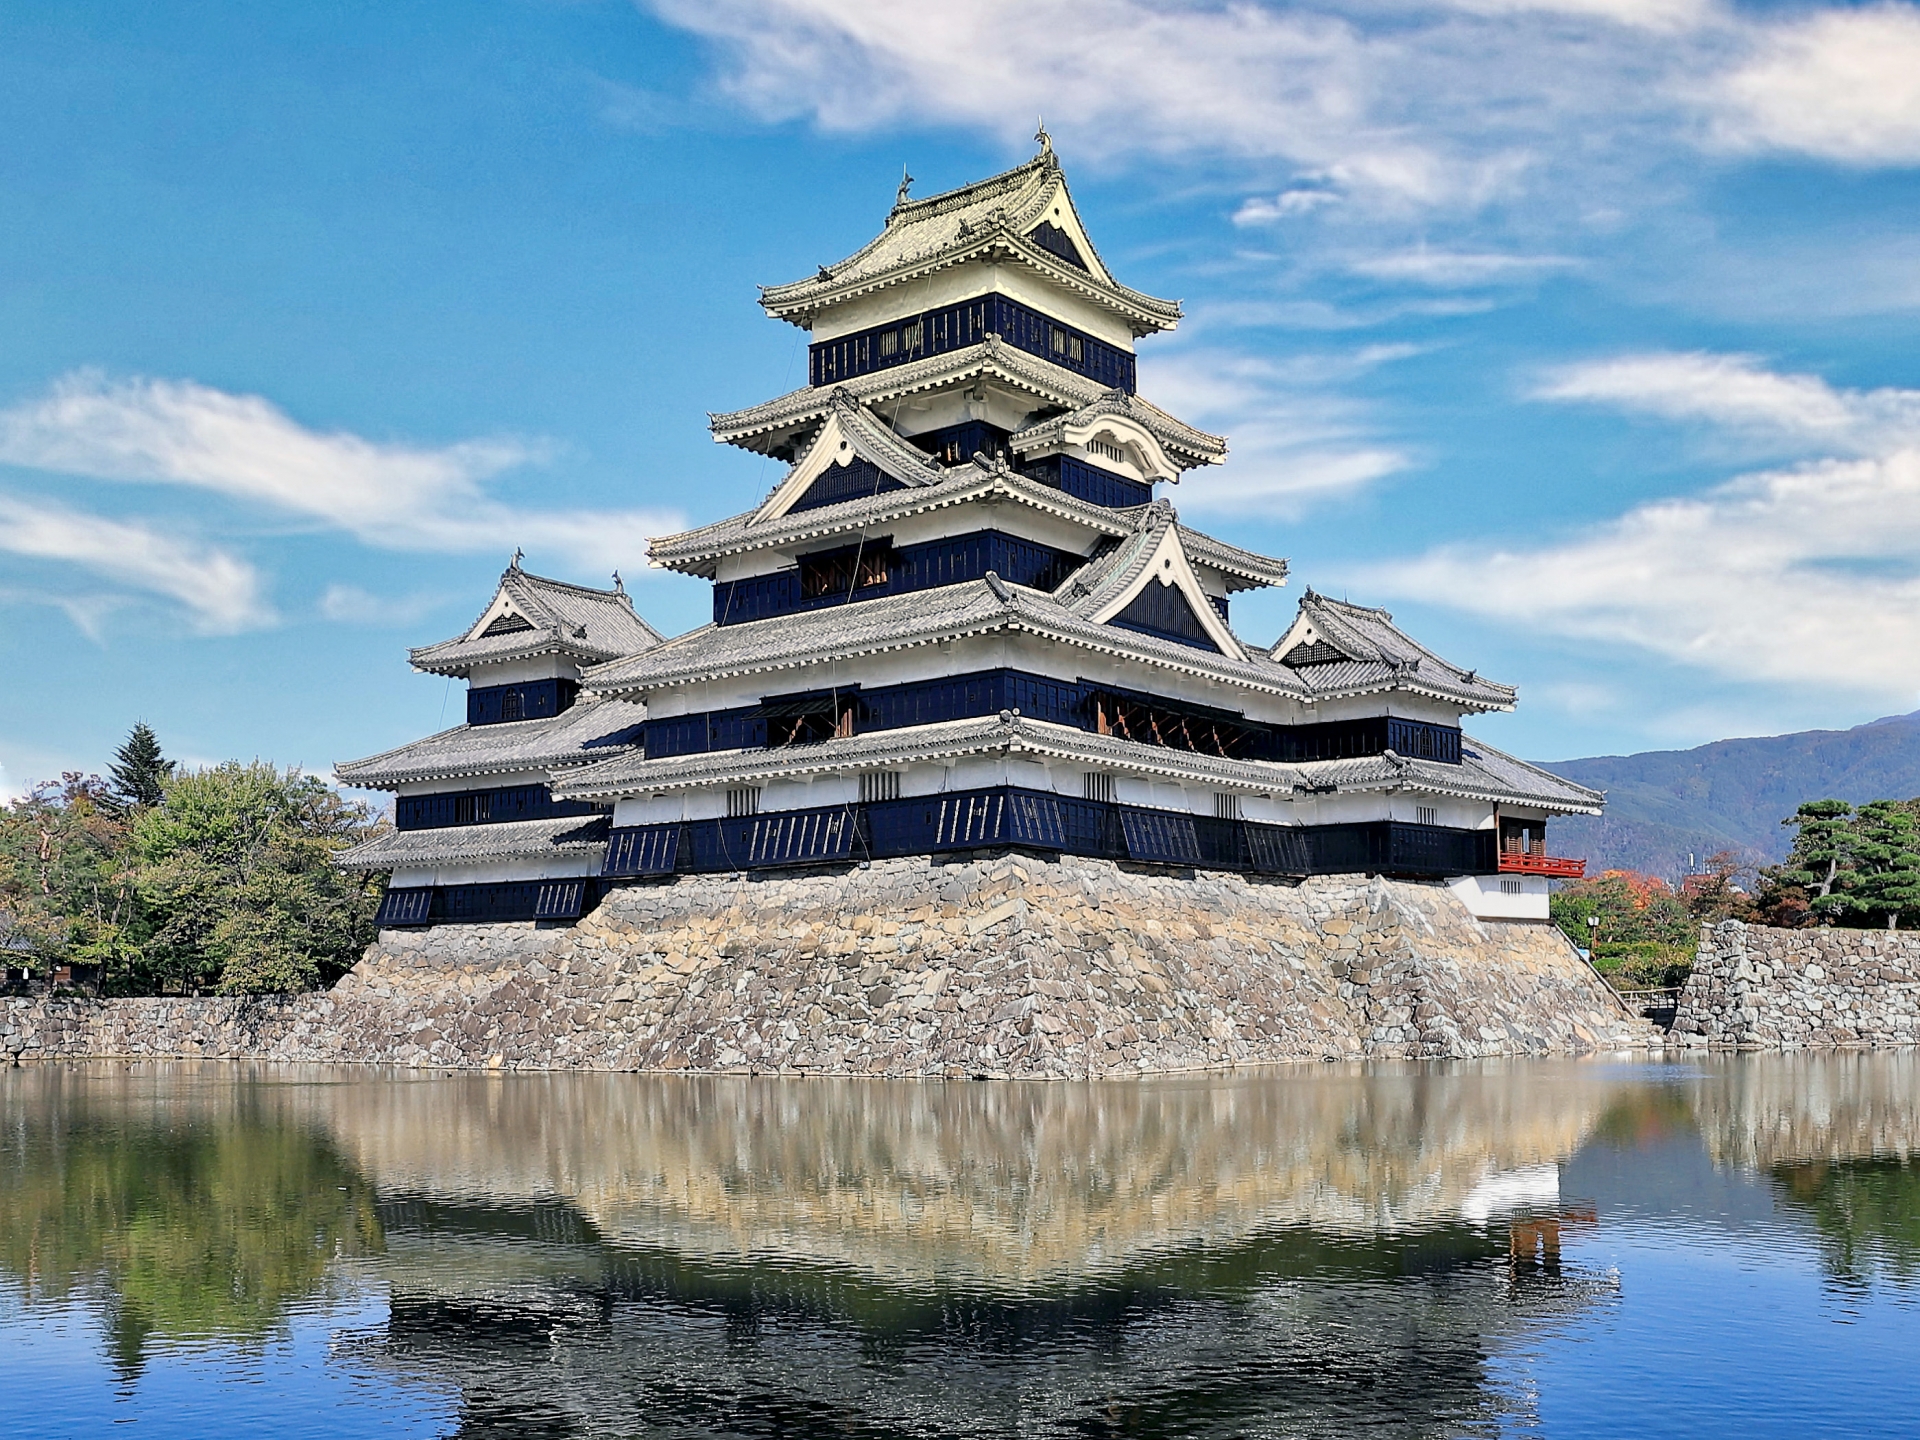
1510 887
1426 815
507 623
511 703
1068 346
1225 806
1152 723
743 801
841 572
878 785
1099 786
1107 450
889 342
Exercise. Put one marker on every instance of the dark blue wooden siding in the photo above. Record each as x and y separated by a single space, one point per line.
1164 611
1088 482
954 327
484 807
501 901
949 561
855 480
1062 702
1344 739
1005 816
528 700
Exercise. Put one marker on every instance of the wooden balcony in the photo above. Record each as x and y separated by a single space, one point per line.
1517 862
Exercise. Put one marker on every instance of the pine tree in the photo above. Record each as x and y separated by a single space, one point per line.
1889 851
1823 860
140 772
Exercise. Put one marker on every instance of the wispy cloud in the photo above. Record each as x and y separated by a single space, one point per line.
1295 440
393 496
222 592
1804 575
1455 269
351 605
1737 392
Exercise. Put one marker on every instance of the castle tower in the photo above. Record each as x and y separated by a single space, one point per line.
963 620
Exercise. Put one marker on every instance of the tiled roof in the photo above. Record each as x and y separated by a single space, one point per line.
920 617
575 620
470 844
1117 403
588 731
1003 734
766 426
1377 650
697 550
988 219
1485 773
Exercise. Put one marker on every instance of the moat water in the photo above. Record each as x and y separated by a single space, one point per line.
1724 1246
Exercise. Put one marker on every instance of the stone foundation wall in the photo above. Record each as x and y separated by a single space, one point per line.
1009 966
1753 985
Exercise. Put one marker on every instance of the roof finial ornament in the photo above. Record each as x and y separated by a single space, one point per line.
1041 138
619 586
906 184
518 556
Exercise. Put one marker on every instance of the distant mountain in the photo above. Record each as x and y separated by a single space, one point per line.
1731 795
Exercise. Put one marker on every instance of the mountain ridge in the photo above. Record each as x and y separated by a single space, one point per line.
1666 805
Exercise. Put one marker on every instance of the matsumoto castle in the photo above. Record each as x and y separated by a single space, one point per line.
962 621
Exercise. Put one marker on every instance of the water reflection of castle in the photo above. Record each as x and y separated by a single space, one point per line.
594 1254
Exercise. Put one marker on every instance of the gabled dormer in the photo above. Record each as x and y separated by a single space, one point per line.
1338 647
522 657
852 456
1148 584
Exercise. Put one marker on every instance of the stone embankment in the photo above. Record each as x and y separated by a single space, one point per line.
1756 986
1008 966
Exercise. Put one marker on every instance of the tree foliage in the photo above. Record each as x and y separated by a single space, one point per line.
225 882
139 771
1847 866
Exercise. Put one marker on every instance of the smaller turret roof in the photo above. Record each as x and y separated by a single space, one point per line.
473 844
591 730
1339 647
532 615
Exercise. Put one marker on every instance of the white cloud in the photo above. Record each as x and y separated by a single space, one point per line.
1300 200
397 497
1294 441
1453 269
1799 576
1840 84
350 605
221 591
1657 15
1736 392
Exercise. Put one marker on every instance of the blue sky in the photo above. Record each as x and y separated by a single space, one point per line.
1578 332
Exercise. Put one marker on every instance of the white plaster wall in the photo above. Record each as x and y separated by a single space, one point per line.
1398 703
1489 896
562 867
540 667
461 784
964 282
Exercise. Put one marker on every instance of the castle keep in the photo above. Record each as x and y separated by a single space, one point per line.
964 620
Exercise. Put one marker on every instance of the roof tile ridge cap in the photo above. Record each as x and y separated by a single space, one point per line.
912 212
881 436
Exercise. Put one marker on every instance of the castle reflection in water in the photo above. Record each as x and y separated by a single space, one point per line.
1337 1252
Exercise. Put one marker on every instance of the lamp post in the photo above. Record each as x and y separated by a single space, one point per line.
1593 936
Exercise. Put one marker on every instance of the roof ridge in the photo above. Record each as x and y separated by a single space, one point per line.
912 211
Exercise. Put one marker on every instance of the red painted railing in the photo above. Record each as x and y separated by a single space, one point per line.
1517 863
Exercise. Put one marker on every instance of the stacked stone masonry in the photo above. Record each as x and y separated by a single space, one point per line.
1756 986
996 966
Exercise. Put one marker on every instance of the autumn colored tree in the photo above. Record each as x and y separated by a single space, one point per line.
68 887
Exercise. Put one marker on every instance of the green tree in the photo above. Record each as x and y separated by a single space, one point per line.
68 887
1888 847
1823 861
237 873
140 772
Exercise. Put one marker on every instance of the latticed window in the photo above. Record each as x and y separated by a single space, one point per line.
1225 806
745 800
1099 786
1426 815
1068 346
878 785
512 703
1107 450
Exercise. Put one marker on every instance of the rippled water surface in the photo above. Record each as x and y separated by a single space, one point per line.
1728 1247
